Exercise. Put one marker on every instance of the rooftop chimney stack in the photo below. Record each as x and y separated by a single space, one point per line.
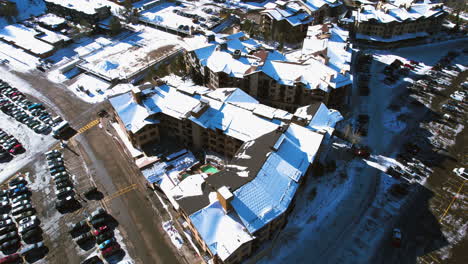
225 198
211 38
136 94
223 46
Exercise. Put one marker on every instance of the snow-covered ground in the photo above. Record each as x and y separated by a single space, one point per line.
172 232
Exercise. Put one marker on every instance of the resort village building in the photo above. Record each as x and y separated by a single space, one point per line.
398 20
266 74
230 212
287 21
79 10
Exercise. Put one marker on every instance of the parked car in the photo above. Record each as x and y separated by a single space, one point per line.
84 237
20 203
7 229
8 236
98 212
106 243
31 233
7 222
28 226
104 237
100 230
23 215
27 219
92 260
21 209
17 181
64 192
28 249
20 198
110 250
98 222
13 258
9 244
79 226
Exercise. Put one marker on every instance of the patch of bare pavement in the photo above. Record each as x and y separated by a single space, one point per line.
111 170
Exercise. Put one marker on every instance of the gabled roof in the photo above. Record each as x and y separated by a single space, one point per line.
269 194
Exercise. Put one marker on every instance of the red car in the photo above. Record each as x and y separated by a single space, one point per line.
100 230
16 148
10 259
108 251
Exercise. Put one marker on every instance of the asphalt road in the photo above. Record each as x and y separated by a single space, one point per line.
112 171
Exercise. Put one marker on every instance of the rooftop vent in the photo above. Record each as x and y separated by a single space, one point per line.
223 46
211 38
237 54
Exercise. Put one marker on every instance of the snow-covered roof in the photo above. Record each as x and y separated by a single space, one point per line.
322 119
86 6
230 110
394 13
294 12
51 36
331 41
25 38
317 4
223 233
254 58
51 20
269 194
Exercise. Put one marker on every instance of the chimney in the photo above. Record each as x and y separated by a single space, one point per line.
211 38
136 94
237 54
223 46
225 198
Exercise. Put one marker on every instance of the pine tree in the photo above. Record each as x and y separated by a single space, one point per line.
115 26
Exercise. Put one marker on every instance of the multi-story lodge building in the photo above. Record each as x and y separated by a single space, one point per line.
266 74
288 20
386 24
79 10
232 212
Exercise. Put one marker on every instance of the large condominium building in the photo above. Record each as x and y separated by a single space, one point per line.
288 20
398 20
232 212
266 74
90 11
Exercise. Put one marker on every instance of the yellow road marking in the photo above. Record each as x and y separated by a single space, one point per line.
422 258
432 257
120 192
453 200
88 126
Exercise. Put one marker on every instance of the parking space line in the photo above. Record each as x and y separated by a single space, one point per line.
424 260
120 192
88 126
453 200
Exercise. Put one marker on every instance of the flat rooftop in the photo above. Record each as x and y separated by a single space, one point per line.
130 55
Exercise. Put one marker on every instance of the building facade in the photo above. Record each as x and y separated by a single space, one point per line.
387 23
265 74
79 10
